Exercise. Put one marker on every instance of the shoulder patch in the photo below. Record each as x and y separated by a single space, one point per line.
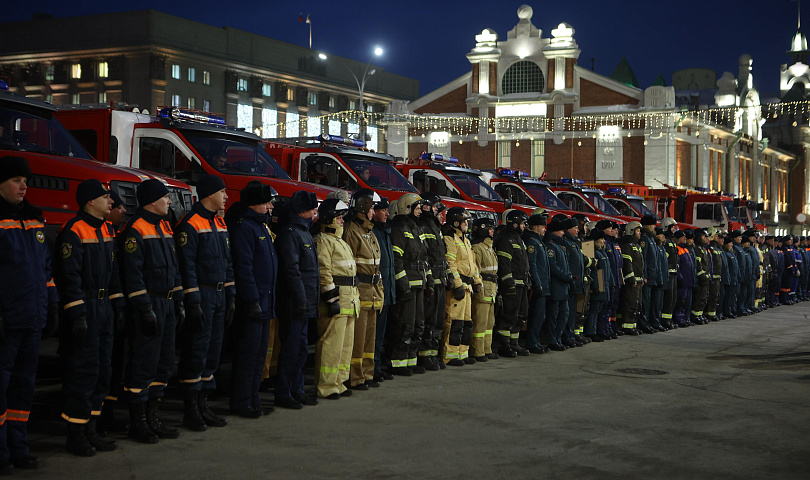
40 236
182 238
643 244
550 253
530 248
67 250
130 245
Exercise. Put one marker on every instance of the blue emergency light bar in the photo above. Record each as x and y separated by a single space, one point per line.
176 113
617 191
701 189
3 85
511 172
341 140
438 158
571 181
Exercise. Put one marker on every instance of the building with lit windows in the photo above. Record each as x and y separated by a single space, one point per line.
153 59
528 105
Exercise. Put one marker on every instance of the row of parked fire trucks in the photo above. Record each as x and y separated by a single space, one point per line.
122 146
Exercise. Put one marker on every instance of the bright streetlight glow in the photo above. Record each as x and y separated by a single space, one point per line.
378 51
322 56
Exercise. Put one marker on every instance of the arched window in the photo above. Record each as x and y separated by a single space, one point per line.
523 77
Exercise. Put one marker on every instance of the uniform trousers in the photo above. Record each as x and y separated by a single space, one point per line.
556 318
670 298
458 326
200 351
537 318
629 305
151 358
700 296
292 356
250 351
730 300
483 318
656 307
333 353
714 296
365 336
19 355
406 329
683 305
379 342
273 347
433 334
513 316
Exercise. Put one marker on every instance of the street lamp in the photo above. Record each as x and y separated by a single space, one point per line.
361 84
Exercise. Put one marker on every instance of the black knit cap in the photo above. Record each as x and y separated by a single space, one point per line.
648 220
690 234
728 239
604 224
382 204
537 220
117 202
571 223
302 201
555 225
150 191
678 234
735 234
660 230
256 193
209 185
596 234
89 189
11 166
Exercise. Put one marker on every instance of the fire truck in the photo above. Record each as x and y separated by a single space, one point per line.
751 213
519 187
31 129
444 176
581 198
344 163
180 143
699 208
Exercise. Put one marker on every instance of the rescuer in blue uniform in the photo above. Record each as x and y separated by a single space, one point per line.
28 310
686 280
651 273
150 273
87 276
606 322
600 289
743 262
299 286
730 276
255 266
578 263
383 233
541 290
560 280
209 294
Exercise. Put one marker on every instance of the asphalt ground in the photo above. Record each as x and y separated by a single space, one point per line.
726 400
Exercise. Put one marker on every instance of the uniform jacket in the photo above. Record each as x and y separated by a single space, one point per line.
359 235
633 264
460 259
411 266
686 268
602 264
790 261
731 270
26 282
255 262
298 276
703 265
435 244
716 252
577 262
487 264
672 255
513 261
86 264
649 251
614 253
383 233
663 266
753 260
538 262
336 259
204 253
743 262
149 262
560 277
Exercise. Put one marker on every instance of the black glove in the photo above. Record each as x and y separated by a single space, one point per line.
79 329
255 311
429 290
458 293
333 308
194 315
511 291
230 309
405 296
179 315
52 324
120 320
2 331
477 288
149 320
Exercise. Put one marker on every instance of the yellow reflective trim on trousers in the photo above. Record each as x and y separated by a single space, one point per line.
344 367
514 336
347 311
464 355
697 314
488 332
412 362
711 314
368 355
400 275
628 325
504 333
325 369
357 361
666 315
450 355
414 283
399 363
579 330
479 335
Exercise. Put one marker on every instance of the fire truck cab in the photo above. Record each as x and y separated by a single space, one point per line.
698 208
578 197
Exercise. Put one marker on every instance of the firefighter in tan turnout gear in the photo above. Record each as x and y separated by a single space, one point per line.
483 302
458 326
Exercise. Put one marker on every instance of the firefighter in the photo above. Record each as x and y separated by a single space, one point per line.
559 281
659 292
788 272
255 269
579 264
340 301
428 356
87 276
209 294
705 275
606 322
717 258
513 275
744 264
633 275
383 233
753 272
413 280
600 286
483 302
670 296
28 310
359 236
538 267
775 263
730 275
458 325
686 280
297 285
651 273
150 273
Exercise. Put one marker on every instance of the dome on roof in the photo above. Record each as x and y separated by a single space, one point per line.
525 12
798 43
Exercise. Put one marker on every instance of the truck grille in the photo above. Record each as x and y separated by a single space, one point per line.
181 200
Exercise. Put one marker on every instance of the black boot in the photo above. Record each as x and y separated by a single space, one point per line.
138 427
154 422
208 416
191 415
77 442
514 345
96 440
107 421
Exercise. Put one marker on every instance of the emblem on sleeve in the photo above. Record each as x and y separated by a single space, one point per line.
550 253
130 245
40 236
66 249
530 248
182 239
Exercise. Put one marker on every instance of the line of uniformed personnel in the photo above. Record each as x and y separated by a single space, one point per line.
427 289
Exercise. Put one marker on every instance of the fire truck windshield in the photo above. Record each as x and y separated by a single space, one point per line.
545 197
600 203
378 174
473 186
642 208
232 156
731 212
28 132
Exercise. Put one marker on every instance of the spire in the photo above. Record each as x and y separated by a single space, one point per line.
798 44
624 74
659 82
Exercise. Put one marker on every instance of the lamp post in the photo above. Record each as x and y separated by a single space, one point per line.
361 85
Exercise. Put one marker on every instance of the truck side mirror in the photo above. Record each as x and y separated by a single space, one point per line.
507 203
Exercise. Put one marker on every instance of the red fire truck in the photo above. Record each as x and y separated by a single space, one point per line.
30 129
699 208
581 198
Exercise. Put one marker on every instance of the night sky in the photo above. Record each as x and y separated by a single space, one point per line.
428 40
